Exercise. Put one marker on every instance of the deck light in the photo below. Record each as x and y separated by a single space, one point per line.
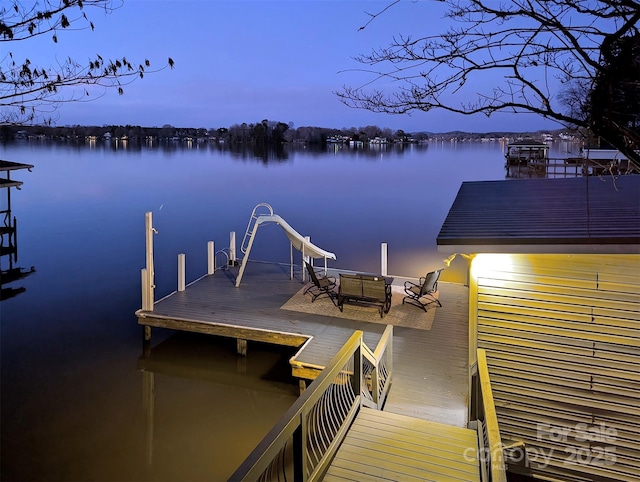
485 263
447 261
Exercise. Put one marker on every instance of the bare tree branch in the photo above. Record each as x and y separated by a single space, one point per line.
547 57
30 93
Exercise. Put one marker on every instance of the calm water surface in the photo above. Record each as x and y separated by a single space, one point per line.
73 404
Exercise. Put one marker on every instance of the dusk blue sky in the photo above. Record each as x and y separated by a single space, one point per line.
245 61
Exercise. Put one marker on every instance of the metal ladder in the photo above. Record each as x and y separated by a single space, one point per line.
252 222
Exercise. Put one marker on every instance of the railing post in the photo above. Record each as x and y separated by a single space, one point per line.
181 272
357 370
375 384
299 451
383 259
211 258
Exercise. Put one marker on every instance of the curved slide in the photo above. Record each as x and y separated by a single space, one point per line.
298 241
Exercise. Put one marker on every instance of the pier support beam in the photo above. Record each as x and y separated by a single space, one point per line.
242 347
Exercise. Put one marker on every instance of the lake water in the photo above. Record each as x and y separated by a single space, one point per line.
73 404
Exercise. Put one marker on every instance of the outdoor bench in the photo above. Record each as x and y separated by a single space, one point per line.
365 289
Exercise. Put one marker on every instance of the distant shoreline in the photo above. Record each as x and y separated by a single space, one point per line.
268 133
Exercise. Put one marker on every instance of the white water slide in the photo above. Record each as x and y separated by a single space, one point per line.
299 242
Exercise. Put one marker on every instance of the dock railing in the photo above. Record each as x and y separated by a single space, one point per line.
483 416
302 444
376 370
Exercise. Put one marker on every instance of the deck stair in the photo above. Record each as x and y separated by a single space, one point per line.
387 446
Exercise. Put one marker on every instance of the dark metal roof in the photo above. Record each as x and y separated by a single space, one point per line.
528 142
509 215
12 166
10 183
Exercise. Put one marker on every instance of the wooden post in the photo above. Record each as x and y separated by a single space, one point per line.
305 258
144 281
211 258
146 305
181 272
383 259
149 231
148 402
232 248
291 262
241 347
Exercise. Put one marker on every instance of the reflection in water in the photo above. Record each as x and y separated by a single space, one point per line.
259 152
264 153
9 272
206 407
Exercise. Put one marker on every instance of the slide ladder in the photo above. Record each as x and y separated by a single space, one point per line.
252 221
296 240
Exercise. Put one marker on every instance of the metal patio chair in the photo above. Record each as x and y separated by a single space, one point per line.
320 285
423 294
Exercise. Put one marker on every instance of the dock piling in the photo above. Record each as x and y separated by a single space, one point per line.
181 272
383 259
211 258
232 248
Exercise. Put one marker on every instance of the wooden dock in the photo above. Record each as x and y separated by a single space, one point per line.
430 366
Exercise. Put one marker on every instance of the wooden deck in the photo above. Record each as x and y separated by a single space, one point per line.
384 446
430 368
430 378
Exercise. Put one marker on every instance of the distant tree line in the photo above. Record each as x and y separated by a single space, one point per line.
265 132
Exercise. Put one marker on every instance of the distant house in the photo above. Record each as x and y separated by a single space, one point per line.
554 286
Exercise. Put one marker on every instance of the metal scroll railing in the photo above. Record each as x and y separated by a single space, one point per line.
302 444
376 370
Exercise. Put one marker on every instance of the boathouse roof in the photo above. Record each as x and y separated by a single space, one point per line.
5 167
592 214
528 143
12 166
